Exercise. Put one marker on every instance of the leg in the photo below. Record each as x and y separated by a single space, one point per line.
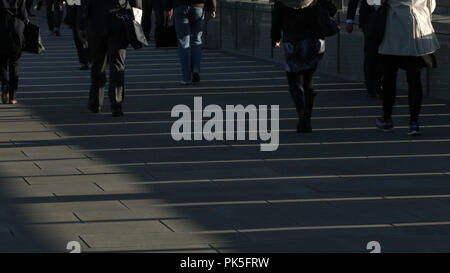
182 27
295 81
4 60
58 16
82 57
390 68
197 18
117 49
371 68
158 8
50 15
147 17
14 61
99 49
415 92
308 87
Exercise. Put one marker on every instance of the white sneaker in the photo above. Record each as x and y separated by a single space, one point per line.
185 83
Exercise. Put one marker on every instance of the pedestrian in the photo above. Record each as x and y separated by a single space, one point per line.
75 22
149 6
372 65
409 43
12 24
189 18
107 44
303 47
54 16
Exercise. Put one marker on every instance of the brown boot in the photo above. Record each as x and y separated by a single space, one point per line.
5 95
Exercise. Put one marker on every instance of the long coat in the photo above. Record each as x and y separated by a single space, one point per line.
97 12
409 31
13 16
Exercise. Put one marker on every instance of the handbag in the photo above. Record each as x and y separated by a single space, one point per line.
133 30
376 24
33 41
327 25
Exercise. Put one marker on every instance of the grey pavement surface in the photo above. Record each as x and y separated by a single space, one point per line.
123 184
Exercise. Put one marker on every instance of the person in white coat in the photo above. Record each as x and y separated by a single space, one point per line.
409 43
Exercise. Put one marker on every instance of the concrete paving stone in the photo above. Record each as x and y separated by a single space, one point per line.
161 248
113 216
6 183
36 136
50 207
38 218
382 211
147 240
98 228
124 177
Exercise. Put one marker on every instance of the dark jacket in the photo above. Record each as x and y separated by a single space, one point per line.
97 12
210 5
297 24
364 11
13 17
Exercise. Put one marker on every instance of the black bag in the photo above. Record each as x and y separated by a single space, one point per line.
327 25
33 41
166 35
376 24
133 30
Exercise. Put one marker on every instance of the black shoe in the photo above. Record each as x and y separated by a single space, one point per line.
195 77
94 109
84 67
117 113
57 33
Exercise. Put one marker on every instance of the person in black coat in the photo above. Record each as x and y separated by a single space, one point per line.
75 21
303 47
372 65
13 18
54 16
158 7
107 43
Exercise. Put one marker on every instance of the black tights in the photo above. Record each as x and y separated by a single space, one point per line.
412 65
302 90
10 62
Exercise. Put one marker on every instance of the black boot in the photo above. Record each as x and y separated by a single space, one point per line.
298 96
309 103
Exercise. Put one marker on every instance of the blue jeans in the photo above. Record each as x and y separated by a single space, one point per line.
189 27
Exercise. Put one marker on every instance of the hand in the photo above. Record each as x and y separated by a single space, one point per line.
349 27
278 44
212 14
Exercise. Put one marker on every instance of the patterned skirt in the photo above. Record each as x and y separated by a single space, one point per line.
303 55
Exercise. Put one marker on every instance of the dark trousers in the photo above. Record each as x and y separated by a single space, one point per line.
372 67
109 48
29 5
147 7
10 62
301 87
54 14
82 47
412 65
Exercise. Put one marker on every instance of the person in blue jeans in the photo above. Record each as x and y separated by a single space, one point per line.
189 16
